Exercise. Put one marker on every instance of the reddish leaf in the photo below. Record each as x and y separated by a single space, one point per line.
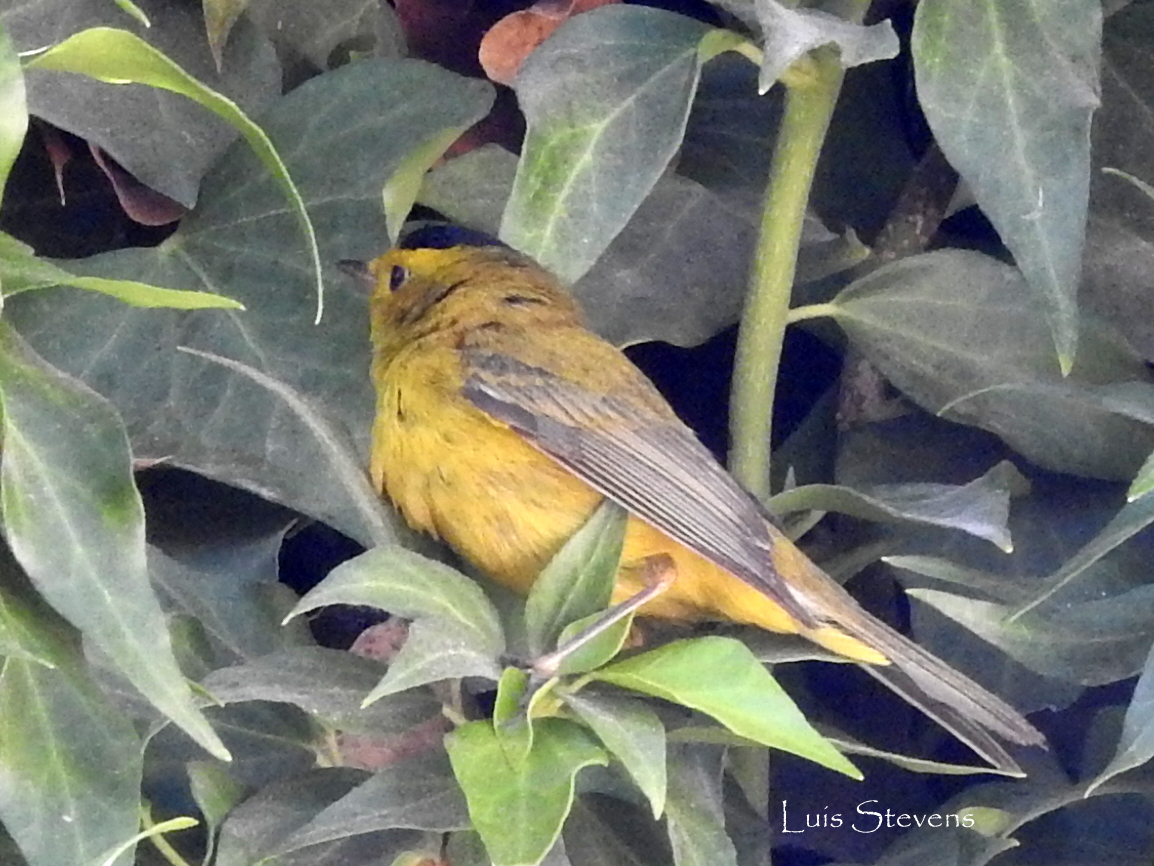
144 204
514 37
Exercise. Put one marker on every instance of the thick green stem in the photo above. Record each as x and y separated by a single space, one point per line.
812 87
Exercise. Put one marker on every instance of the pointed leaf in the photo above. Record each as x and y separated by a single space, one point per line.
22 271
598 650
119 57
633 734
1089 643
343 134
70 788
578 581
437 649
519 810
407 584
328 684
417 793
606 99
958 334
980 508
215 793
1136 745
1009 89
696 819
720 677
74 520
13 107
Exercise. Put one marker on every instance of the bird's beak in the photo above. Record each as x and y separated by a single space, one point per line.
360 272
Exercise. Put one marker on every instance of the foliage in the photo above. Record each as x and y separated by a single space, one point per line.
677 167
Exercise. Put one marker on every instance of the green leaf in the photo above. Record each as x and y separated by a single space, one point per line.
315 31
511 719
1089 643
578 581
70 789
29 629
161 138
519 809
597 650
22 271
980 508
958 334
416 793
13 107
410 585
437 649
259 824
215 793
403 187
1131 519
472 189
328 684
694 812
1009 90
1136 744
721 678
120 57
75 522
1143 482
219 18
342 134
606 99
789 34
633 734
359 494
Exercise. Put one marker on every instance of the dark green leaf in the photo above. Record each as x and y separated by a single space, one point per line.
230 587
1009 90
328 684
417 793
633 734
980 508
1136 745
407 584
437 649
343 134
74 520
215 793
519 810
958 334
606 98
162 138
260 823
1131 519
70 789
720 677
578 581
1089 642
694 814
315 30
13 108
120 57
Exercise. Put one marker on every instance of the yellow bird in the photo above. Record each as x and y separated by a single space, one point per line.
502 422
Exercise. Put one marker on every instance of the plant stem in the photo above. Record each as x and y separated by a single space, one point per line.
812 87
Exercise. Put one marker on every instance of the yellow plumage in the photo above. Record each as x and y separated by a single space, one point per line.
502 421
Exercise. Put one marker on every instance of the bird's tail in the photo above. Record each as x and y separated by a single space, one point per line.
970 712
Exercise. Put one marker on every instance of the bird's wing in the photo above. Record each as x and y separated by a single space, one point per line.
649 463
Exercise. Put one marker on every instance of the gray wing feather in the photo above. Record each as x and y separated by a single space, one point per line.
654 467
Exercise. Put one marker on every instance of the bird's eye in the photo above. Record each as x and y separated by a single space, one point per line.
397 277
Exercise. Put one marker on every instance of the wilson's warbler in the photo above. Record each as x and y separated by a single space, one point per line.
502 421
